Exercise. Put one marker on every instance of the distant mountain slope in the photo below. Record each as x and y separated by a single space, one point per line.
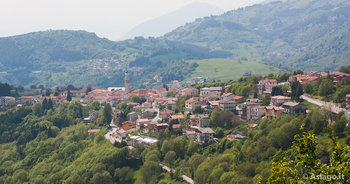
307 34
164 24
57 58
33 49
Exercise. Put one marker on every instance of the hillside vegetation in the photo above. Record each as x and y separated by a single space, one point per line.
306 34
58 58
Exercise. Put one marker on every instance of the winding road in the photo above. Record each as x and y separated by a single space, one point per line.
184 177
333 107
111 135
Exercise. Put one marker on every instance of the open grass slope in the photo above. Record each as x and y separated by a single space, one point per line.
226 69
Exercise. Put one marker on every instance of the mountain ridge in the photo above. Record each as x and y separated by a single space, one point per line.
159 26
292 34
317 38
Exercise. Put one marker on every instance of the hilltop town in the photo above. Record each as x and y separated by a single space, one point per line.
139 114
175 132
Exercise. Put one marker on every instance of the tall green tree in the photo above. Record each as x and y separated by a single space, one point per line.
50 104
298 71
44 105
107 114
170 158
326 87
137 99
266 100
5 89
37 109
345 69
69 96
277 90
297 91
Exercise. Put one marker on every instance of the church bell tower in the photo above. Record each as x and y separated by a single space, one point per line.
127 82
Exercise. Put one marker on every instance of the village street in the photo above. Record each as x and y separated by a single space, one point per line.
111 135
156 109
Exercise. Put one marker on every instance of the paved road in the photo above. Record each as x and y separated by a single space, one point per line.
312 100
155 119
184 177
111 135
333 107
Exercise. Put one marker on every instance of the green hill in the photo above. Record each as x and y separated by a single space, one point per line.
61 57
226 69
306 34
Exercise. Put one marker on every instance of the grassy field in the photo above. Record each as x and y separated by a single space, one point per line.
226 69
310 105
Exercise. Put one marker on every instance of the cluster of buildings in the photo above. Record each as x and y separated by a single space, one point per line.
159 112
313 76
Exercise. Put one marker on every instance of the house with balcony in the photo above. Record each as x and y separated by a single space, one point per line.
227 105
294 108
254 111
272 112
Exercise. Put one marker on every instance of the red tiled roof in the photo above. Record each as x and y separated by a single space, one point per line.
27 97
224 101
269 80
280 97
99 90
191 100
274 107
93 130
227 94
193 123
175 126
143 120
238 97
214 103
190 132
178 116
121 131
253 125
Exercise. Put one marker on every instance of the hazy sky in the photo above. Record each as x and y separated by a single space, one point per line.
107 18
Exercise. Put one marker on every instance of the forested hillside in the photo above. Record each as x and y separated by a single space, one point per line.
47 144
306 34
58 58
